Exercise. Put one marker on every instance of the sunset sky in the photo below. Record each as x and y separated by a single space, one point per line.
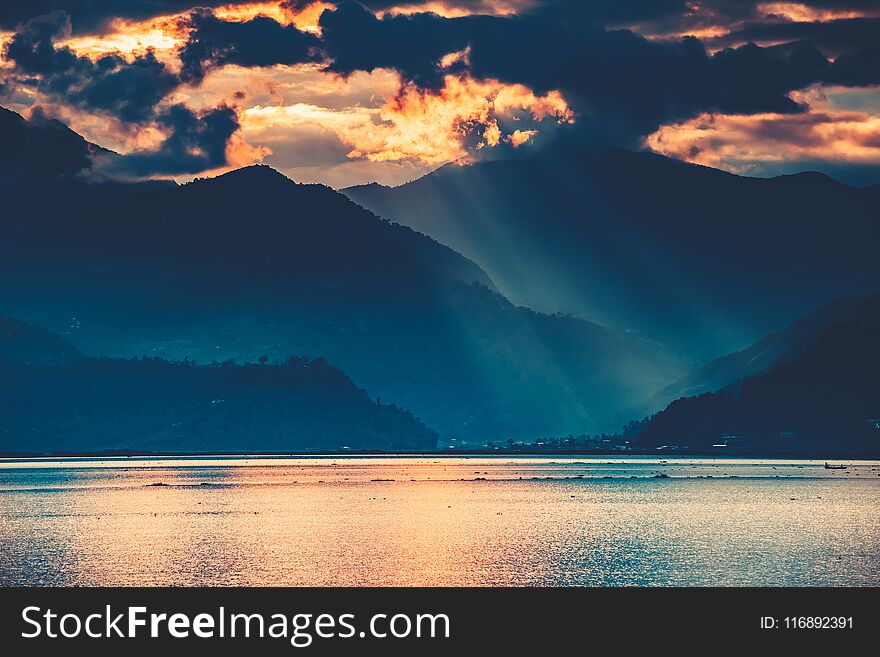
347 92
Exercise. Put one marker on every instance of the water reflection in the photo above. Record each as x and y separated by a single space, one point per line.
438 521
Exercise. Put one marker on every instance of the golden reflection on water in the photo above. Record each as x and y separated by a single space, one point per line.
438 521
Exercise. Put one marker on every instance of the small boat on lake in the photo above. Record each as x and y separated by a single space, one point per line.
834 467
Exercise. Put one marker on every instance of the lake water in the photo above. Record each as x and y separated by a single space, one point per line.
548 521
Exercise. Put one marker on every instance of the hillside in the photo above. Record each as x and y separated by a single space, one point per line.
251 263
824 399
29 345
41 148
156 405
764 354
695 258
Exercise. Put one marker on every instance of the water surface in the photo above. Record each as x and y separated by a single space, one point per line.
433 520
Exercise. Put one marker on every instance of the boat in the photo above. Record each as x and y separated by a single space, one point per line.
834 467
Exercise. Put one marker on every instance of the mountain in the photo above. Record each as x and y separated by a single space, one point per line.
764 354
701 260
251 264
157 405
28 345
41 148
823 398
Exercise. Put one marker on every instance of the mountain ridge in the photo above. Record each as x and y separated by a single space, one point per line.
822 397
771 350
693 257
250 264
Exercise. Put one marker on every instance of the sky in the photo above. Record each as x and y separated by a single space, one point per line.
344 92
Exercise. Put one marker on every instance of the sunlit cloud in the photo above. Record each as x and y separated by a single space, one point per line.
719 23
431 127
130 38
453 10
304 117
796 12
748 144
305 18
165 34
520 137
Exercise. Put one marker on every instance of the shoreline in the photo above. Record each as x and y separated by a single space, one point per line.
861 456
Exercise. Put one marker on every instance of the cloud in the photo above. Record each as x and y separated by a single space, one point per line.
91 16
260 41
126 89
600 11
135 92
413 45
614 85
195 142
832 37
621 85
859 68
842 143
428 127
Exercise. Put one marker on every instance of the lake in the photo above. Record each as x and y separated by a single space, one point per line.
438 520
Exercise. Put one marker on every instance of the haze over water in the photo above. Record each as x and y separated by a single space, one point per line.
550 521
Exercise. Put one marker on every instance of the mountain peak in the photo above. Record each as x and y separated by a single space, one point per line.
41 148
254 173
809 179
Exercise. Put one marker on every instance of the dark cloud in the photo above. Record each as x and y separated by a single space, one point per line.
257 42
196 142
90 16
859 68
95 15
677 13
622 85
127 90
600 11
355 40
134 91
853 42
832 37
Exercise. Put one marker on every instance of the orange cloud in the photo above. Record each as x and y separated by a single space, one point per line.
438 126
451 10
129 38
430 127
165 34
239 153
800 13
520 137
713 24
741 143
304 19
361 118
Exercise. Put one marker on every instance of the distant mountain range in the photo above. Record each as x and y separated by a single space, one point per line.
769 351
700 260
250 264
172 284
79 404
822 394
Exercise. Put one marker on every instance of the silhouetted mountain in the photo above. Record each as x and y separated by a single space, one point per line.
822 397
698 259
23 344
250 264
767 352
41 148
156 405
